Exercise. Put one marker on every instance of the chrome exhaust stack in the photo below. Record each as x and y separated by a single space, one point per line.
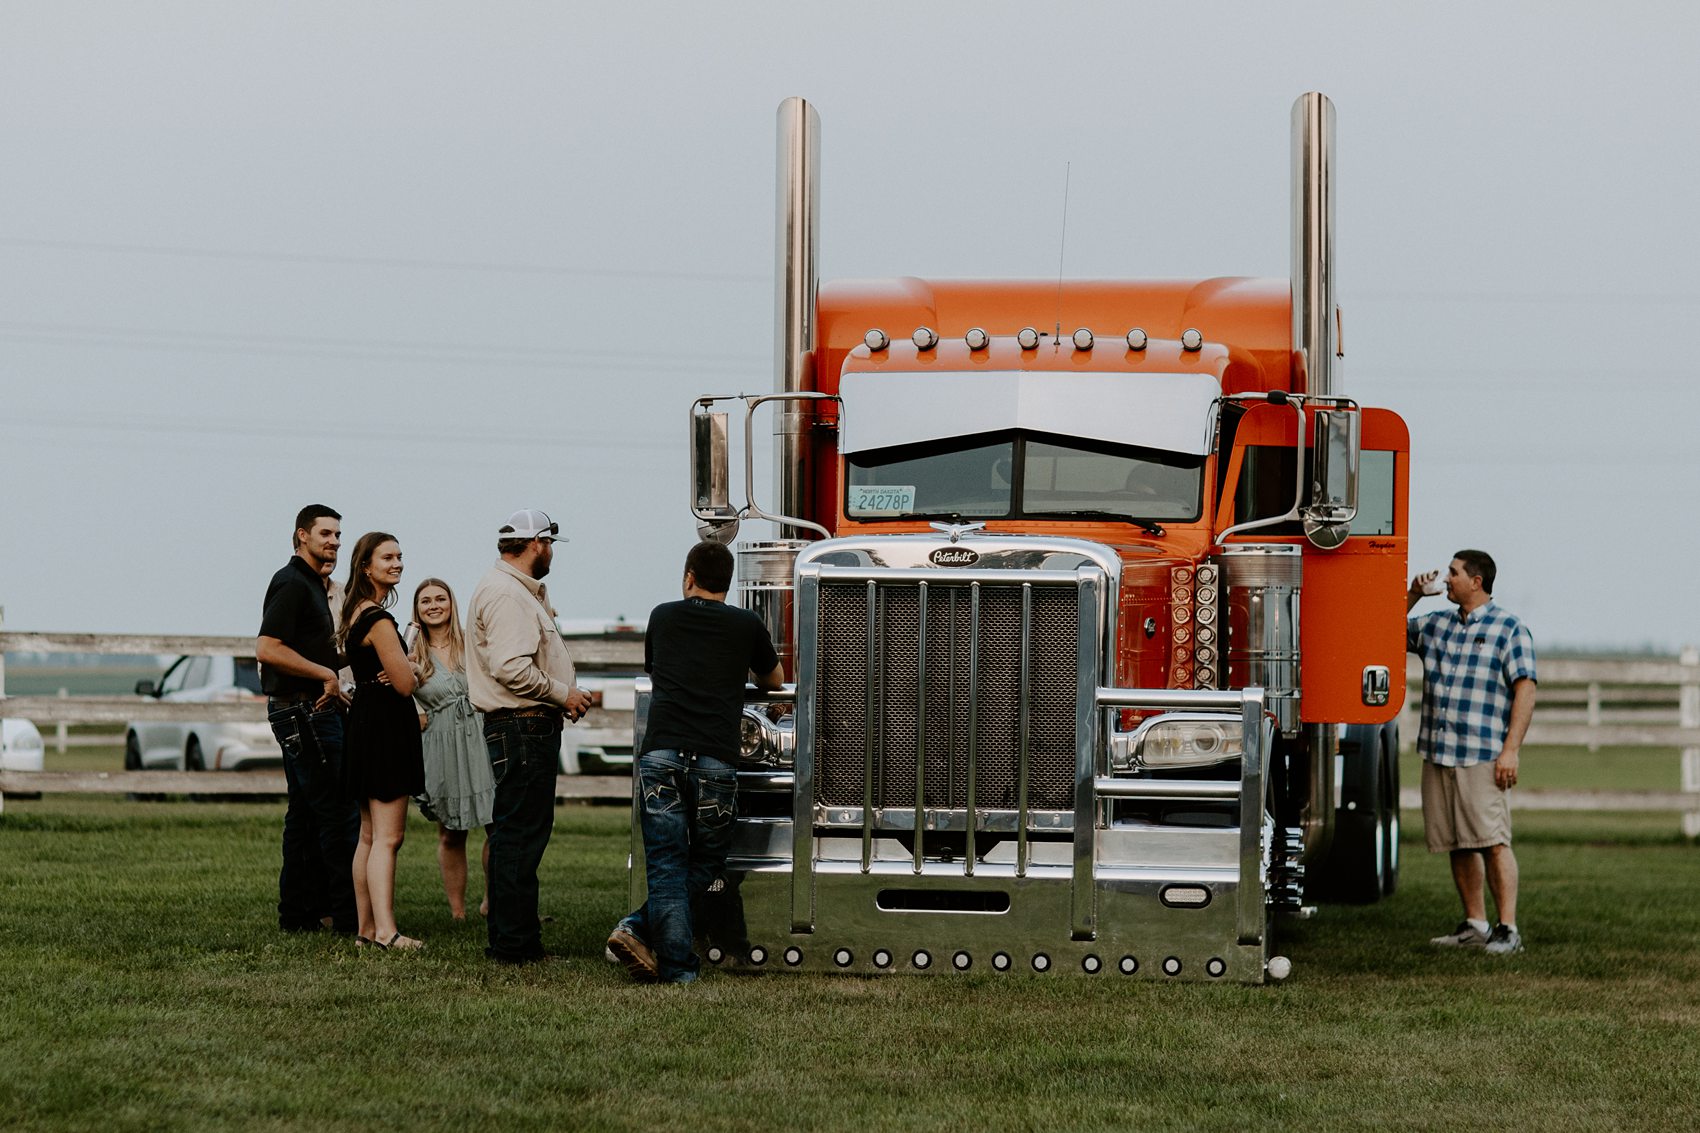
1316 344
796 280
1315 333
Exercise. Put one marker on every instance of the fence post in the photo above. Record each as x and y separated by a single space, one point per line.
1690 718
2 692
62 730
1593 716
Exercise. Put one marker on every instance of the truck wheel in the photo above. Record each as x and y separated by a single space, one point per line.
1390 809
193 760
1356 868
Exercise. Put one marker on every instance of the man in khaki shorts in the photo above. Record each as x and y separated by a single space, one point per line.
1478 698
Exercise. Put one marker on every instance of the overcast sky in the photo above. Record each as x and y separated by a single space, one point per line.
430 263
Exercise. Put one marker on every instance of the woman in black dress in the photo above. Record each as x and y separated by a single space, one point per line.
383 763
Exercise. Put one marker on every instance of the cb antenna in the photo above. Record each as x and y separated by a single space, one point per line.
1068 168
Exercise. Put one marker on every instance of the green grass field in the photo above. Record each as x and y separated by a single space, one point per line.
142 986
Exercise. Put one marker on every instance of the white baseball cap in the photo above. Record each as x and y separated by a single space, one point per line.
529 523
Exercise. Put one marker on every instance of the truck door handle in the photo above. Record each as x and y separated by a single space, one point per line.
1378 685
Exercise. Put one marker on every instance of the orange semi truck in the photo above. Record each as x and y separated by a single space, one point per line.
1092 604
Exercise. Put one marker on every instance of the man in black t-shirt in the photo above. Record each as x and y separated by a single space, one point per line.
698 652
298 659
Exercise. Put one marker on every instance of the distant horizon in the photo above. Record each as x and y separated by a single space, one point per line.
431 270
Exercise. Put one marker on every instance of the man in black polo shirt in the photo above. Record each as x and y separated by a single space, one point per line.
298 670
699 652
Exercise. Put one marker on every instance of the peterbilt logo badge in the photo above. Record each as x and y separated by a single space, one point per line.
954 557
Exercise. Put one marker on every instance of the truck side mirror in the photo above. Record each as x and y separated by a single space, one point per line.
711 478
1333 502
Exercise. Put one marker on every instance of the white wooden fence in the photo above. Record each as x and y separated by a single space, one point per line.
1599 702
1590 702
591 654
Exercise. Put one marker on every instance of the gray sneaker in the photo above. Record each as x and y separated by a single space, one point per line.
1504 940
626 949
1466 935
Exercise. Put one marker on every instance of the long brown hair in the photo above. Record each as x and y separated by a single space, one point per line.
359 587
421 651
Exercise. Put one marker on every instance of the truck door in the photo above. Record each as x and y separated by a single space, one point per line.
1352 605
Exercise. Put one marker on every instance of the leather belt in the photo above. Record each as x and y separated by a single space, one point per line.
547 711
290 699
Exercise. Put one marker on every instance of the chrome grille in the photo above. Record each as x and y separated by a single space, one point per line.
869 710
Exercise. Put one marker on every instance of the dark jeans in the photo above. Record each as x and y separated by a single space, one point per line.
688 806
525 757
320 827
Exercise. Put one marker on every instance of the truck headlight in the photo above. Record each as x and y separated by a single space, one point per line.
1186 741
763 741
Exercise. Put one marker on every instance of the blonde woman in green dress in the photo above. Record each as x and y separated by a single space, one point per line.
460 793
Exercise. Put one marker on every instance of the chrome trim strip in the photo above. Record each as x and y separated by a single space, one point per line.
766 781
1083 900
803 760
920 724
973 721
912 575
941 818
1218 700
1252 914
872 729
1168 789
1022 715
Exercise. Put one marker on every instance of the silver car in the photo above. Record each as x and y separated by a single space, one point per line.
170 745
20 746
600 751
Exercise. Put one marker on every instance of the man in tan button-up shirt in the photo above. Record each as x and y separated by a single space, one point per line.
519 675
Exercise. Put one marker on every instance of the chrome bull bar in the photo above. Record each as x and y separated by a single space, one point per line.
1255 740
1093 788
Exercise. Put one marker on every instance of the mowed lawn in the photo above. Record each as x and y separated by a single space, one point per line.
142 986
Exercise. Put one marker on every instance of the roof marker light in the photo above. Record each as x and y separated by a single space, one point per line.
1027 337
1192 340
925 338
976 339
876 340
1083 339
1136 339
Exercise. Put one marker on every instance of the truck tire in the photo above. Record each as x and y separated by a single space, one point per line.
1355 871
1390 808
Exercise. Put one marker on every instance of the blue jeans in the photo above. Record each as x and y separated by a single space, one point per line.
688 805
320 826
525 757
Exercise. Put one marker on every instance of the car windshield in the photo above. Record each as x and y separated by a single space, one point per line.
1019 475
248 674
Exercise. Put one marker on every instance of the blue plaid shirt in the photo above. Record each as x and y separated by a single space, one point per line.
1469 670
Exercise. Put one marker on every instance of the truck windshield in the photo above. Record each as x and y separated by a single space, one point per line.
1022 475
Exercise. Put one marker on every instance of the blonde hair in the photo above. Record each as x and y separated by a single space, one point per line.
421 651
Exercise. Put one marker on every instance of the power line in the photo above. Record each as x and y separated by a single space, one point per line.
186 252
627 437
216 342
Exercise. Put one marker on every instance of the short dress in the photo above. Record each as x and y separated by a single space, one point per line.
383 756
459 790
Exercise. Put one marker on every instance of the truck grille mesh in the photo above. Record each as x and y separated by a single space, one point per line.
849 698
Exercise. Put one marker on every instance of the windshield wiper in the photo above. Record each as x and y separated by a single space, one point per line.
1086 513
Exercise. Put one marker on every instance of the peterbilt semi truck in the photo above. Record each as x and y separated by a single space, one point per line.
1090 598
